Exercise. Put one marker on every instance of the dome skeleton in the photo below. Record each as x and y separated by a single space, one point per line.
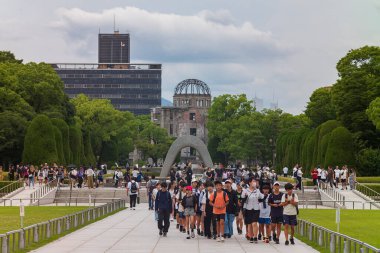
192 87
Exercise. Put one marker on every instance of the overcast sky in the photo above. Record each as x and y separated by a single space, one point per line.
285 48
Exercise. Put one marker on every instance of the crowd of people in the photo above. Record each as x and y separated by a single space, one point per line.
225 202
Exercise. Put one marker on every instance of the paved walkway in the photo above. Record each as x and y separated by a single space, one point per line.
359 202
23 196
136 231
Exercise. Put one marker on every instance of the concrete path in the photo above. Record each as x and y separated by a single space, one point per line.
359 202
136 231
21 196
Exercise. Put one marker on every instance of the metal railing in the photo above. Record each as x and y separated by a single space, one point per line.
332 241
74 201
332 193
370 193
356 205
35 196
19 239
11 187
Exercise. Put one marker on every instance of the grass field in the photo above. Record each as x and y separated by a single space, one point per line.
360 224
10 216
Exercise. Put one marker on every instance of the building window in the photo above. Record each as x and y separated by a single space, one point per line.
171 129
192 116
193 131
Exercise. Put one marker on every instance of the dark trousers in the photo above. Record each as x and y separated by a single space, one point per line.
163 220
150 199
133 198
208 220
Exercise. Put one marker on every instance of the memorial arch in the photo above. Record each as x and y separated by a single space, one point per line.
183 142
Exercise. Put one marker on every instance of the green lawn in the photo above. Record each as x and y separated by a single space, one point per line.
360 224
10 216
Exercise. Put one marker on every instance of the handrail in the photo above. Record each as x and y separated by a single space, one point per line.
94 201
42 191
356 204
16 240
367 191
331 192
11 187
330 240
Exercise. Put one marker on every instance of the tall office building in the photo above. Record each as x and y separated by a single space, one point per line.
129 87
113 48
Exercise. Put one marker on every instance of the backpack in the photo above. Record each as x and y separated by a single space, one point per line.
295 173
152 185
159 194
286 196
224 197
134 187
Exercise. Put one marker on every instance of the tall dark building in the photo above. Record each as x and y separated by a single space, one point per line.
113 48
129 87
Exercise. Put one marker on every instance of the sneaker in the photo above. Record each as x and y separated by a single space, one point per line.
202 234
259 237
183 230
291 241
209 237
192 234
229 236
251 240
188 237
286 243
198 231
177 226
222 239
165 234
277 241
218 239
214 237
274 237
160 232
255 240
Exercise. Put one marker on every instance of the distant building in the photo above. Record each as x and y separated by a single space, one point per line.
130 87
113 48
188 115
258 103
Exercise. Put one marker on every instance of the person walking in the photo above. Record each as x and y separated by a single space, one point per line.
231 209
290 203
337 174
163 205
133 190
90 178
219 201
151 185
189 203
239 210
276 212
207 212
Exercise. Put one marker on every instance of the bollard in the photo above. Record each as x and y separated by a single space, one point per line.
320 237
310 233
58 226
21 242
35 234
346 246
4 247
88 216
363 250
302 229
82 220
332 243
67 223
93 214
75 220
48 229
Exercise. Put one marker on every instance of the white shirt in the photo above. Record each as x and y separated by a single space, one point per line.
319 172
344 174
89 172
289 209
135 173
253 197
285 170
337 173
323 174
299 173
265 212
130 186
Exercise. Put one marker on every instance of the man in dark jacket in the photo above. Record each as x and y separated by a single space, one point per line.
230 210
163 205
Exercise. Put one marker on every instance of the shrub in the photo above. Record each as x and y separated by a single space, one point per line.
369 162
326 128
88 152
64 128
375 187
368 179
39 143
59 146
75 136
340 150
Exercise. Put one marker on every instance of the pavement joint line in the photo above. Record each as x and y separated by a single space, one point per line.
137 225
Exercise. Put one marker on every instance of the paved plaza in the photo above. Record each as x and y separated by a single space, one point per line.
136 231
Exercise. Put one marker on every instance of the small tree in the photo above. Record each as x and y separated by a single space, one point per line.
340 150
39 143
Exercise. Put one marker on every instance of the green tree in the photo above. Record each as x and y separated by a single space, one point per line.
326 128
76 144
8 57
357 86
64 128
369 162
320 108
340 150
59 145
373 112
39 144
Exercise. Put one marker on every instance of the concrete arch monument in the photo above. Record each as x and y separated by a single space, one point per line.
183 142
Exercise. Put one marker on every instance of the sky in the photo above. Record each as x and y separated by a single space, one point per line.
277 50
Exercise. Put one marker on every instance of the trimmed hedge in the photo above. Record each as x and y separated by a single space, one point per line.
5 183
64 128
368 179
39 144
375 187
340 150
59 146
